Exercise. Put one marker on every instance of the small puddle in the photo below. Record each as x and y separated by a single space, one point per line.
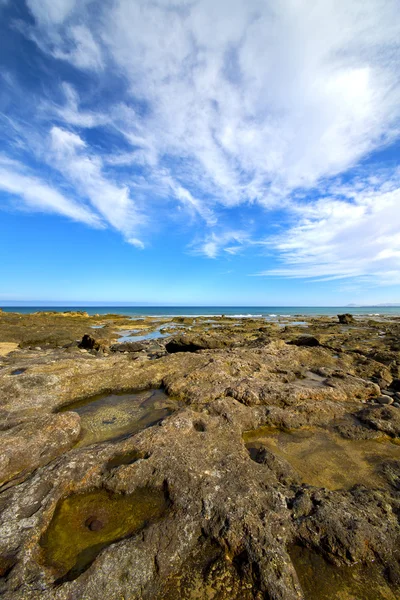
108 417
321 580
84 524
324 459
293 324
131 336
18 371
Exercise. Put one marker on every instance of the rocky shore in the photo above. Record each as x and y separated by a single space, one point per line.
199 458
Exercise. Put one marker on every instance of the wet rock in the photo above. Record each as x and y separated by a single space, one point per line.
384 400
280 467
391 471
346 319
88 342
128 347
305 340
194 343
395 385
6 563
382 418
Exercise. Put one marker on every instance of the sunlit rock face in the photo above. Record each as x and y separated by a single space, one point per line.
249 467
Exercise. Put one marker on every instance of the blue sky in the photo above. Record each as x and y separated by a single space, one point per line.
200 152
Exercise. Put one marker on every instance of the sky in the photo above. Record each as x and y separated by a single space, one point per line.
200 152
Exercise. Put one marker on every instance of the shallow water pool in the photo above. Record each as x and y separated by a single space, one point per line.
324 459
112 416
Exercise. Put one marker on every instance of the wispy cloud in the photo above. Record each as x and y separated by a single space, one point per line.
209 113
335 238
40 196
51 12
217 242
71 157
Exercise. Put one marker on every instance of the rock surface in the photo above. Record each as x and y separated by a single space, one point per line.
212 515
346 319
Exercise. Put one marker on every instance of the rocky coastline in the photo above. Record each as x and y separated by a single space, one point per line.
199 458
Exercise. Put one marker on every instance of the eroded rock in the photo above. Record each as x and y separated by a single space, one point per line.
35 443
346 319
233 507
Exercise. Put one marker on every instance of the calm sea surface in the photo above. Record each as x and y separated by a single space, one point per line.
238 311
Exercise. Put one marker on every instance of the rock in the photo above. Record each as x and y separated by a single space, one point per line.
305 340
35 443
346 319
384 400
233 506
193 343
382 418
88 342
387 393
395 385
128 347
396 404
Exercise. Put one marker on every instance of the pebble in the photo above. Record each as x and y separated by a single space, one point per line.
396 404
387 393
384 400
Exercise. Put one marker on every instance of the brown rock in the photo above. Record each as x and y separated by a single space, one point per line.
88 342
35 443
346 319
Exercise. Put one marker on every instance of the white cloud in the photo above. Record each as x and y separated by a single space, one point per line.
82 51
135 242
335 238
40 196
71 113
51 11
217 242
275 97
70 155
234 102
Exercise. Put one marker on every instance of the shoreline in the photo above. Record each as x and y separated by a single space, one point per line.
212 311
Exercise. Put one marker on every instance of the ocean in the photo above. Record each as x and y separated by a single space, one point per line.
209 311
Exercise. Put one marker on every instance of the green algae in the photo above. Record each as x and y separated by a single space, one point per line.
113 416
321 580
84 524
324 459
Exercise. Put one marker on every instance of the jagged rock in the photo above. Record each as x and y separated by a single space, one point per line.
383 418
233 510
346 319
88 342
305 340
193 343
128 347
395 385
